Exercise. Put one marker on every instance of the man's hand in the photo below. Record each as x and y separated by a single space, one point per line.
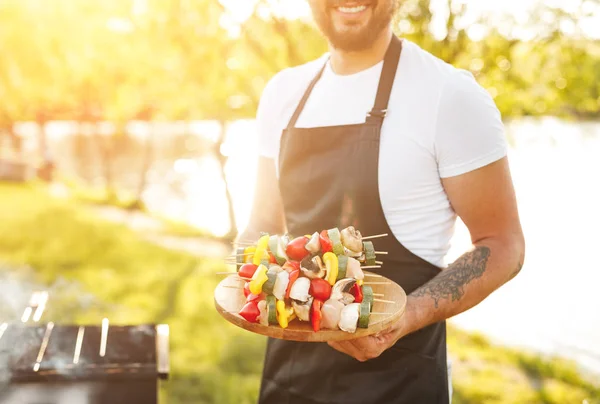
370 347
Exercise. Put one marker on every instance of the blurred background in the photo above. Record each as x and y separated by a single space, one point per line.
128 157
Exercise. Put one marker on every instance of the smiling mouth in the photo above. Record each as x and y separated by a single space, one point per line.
352 8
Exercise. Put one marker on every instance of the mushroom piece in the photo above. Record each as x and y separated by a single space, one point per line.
313 267
352 239
300 288
302 309
341 290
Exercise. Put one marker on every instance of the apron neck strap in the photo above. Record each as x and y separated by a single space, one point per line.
386 81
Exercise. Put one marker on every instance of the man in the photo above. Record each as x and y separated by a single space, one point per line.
381 135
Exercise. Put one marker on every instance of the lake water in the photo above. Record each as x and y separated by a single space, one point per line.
552 306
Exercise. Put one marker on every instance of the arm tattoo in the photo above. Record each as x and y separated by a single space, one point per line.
450 283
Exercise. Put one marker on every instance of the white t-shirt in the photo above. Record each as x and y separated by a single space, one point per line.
440 123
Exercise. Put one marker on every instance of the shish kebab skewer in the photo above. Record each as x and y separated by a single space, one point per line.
347 242
250 242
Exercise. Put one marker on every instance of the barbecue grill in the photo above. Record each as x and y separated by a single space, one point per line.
47 363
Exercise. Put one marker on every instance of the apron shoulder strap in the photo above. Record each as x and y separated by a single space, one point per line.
388 74
386 82
302 102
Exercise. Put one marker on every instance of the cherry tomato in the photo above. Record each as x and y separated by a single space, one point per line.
296 250
320 289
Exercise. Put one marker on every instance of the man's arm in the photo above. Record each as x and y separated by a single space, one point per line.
485 201
267 208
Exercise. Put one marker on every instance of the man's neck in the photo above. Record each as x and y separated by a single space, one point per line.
345 63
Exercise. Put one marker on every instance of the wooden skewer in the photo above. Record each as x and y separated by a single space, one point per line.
376 283
379 262
233 287
231 273
371 266
386 314
242 243
381 252
383 301
374 275
375 236
378 294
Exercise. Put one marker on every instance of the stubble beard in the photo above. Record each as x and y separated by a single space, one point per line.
357 38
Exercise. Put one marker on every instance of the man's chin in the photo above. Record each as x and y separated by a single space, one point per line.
351 40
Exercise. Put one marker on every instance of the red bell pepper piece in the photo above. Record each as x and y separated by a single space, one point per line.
356 291
326 245
247 289
255 298
272 259
294 274
320 289
315 315
250 312
291 265
247 270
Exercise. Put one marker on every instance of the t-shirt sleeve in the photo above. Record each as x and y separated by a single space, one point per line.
268 132
469 129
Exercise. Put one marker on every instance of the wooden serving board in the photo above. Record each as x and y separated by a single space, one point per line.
229 302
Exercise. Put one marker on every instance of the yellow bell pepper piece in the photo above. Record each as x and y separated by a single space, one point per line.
331 262
258 280
359 282
285 314
248 254
261 250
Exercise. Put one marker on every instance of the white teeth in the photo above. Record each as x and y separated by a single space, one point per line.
356 9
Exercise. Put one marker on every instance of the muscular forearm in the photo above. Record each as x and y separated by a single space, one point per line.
465 283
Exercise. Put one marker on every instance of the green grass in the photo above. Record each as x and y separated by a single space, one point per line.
483 372
95 269
127 200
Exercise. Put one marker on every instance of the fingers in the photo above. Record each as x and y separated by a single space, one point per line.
361 349
369 347
347 348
